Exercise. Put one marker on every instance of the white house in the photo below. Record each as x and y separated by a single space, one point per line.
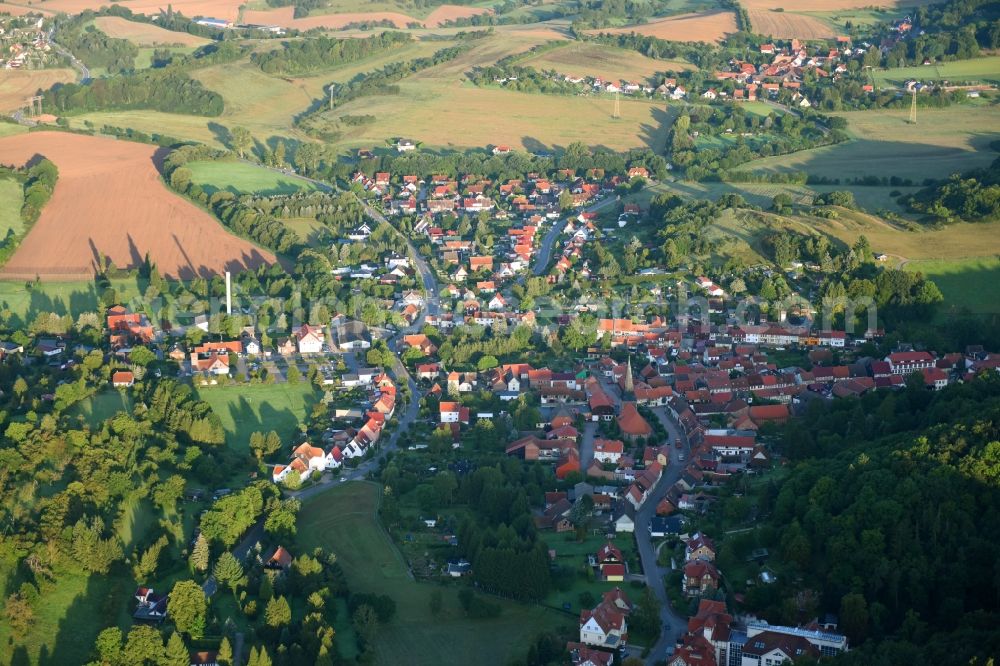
604 626
310 339
608 450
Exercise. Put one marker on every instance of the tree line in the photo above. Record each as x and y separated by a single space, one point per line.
308 55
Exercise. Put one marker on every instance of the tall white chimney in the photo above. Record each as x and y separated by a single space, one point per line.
229 293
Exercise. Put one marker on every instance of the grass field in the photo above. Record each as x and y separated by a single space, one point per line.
944 141
264 104
102 406
59 297
589 59
972 283
145 34
953 243
248 409
243 178
11 198
985 70
342 520
871 199
455 116
310 230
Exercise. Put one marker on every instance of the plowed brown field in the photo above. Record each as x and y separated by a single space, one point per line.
110 201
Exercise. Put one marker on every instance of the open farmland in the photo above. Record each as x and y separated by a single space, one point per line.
710 26
944 141
243 178
985 69
455 116
285 17
225 9
19 84
144 34
342 520
787 25
262 103
110 202
587 59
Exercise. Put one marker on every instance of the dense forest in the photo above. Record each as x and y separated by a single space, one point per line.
970 197
298 57
890 514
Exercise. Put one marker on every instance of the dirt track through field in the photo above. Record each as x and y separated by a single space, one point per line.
110 201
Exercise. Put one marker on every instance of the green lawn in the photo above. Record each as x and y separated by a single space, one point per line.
102 406
245 409
342 521
59 297
11 198
977 69
967 283
240 177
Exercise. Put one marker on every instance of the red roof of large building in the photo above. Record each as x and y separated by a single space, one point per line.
632 423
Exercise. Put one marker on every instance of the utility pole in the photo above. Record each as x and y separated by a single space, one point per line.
913 106
331 97
617 114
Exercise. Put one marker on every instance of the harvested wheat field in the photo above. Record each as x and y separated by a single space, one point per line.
144 34
701 27
109 202
785 25
224 9
16 85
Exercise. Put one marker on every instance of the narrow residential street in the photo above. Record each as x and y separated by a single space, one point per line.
673 624
545 251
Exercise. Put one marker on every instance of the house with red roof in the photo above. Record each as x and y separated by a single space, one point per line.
122 379
700 578
608 450
604 627
903 363
581 655
309 339
632 424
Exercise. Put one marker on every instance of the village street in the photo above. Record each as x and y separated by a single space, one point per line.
545 251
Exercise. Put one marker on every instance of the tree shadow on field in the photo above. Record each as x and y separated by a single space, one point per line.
221 134
159 157
655 136
98 606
